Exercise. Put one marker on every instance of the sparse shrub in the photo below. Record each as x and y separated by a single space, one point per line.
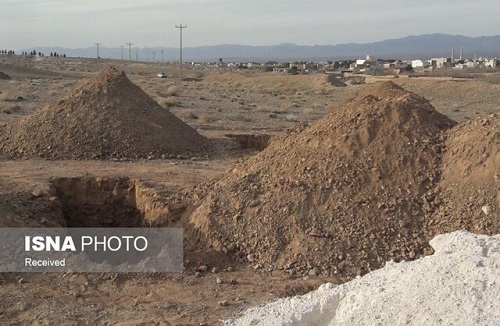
203 119
308 111
263 109
172 91
281 110
187 114
242 117
4 96
168 102
15 108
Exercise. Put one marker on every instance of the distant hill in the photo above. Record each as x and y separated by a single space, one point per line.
422 46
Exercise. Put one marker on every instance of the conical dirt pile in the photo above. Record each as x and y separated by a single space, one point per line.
107 117
341 197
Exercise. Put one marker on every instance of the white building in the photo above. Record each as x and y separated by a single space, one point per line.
417 64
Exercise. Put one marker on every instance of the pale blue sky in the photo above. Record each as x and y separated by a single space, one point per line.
81 23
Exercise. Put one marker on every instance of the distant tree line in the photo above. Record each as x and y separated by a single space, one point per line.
55 54
33 53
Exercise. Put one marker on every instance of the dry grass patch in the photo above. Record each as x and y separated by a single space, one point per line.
204 119
187 114
242 117
4 96
308 110
263 109
172 91
168 102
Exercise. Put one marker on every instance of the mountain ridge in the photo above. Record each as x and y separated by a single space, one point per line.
410 47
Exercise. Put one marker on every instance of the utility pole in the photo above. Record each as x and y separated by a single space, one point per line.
97 44
137 54
154 56
180 27
122 51
129 58
162 56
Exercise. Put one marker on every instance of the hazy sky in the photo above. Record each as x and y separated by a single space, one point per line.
81 23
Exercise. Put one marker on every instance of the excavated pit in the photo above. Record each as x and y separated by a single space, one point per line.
251 141
92 202
109 202
96 202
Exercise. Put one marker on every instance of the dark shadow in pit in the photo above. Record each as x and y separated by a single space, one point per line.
251 141
91 202
99 216
98 202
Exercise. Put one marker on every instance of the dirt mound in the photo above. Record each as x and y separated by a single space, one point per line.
336 81
470 186
107 117
4 76
340 197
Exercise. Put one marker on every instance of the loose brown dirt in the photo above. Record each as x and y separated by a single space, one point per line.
470 186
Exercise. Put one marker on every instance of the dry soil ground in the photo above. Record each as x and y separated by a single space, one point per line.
214 102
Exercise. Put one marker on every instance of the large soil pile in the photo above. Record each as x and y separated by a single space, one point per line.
107 117
470 186
341 197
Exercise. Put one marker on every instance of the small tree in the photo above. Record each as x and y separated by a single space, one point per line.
293 70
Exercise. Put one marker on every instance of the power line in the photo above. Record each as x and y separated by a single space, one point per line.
180 27
129 58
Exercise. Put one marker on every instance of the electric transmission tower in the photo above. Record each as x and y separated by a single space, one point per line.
180 27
